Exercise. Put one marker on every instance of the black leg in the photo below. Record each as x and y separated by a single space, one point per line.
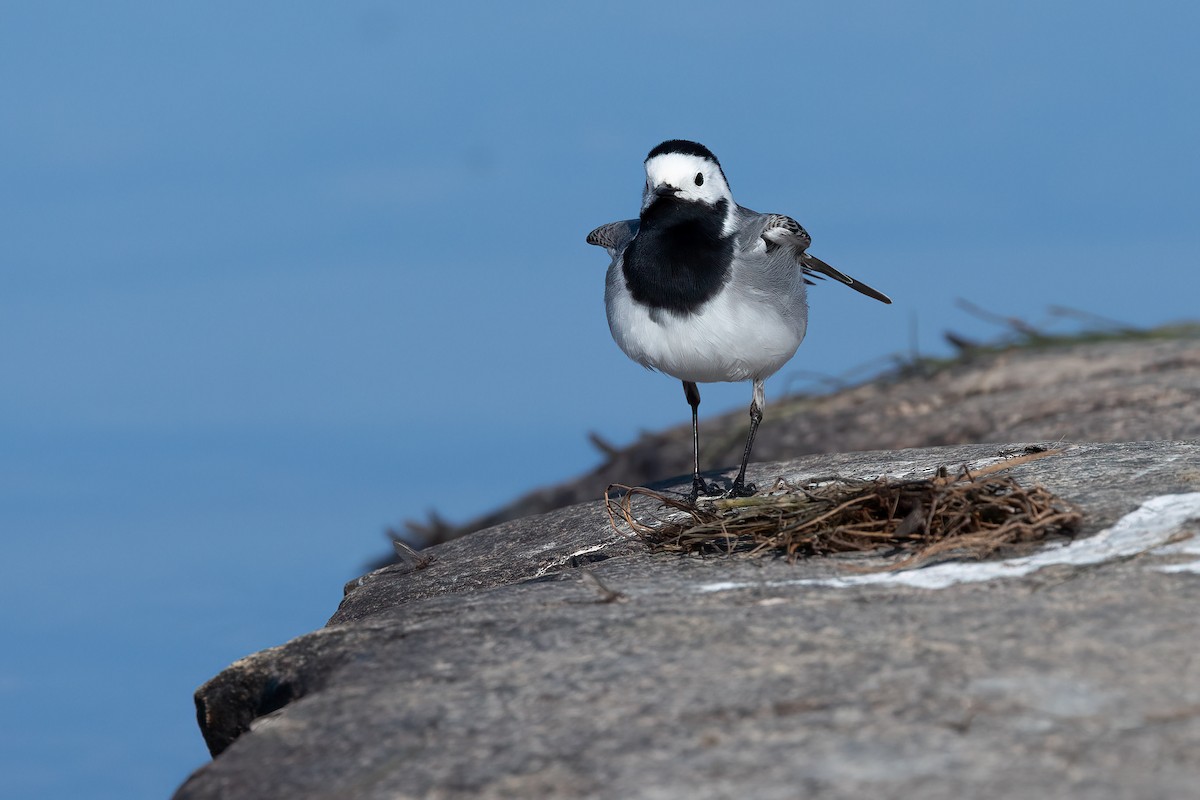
740 488
692 393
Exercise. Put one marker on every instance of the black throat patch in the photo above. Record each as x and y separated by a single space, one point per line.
679 260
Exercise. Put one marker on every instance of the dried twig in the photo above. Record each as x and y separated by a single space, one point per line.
972 515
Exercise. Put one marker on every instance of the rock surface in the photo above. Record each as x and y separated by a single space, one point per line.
500 669
1139 388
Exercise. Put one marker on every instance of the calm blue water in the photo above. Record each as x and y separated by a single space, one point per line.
273 279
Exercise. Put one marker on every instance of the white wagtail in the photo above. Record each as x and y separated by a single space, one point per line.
705 290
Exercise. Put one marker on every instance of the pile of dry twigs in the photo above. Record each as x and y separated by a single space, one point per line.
971 515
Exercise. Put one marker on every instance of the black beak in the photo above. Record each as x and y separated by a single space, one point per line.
666 190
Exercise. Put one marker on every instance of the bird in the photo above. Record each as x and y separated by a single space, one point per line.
705 290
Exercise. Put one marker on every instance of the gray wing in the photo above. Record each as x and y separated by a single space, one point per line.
615 236
780 231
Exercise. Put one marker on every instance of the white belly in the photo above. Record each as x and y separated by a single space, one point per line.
730 338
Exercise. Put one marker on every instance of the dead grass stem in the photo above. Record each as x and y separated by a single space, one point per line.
972 515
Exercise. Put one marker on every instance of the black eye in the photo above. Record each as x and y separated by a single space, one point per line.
699 178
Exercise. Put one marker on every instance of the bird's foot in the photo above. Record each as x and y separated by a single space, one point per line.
702 489
741 489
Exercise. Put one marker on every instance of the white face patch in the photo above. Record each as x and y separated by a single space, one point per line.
680 170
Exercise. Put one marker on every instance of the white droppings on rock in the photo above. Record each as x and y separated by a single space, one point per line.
1187 547
560 562
1147 529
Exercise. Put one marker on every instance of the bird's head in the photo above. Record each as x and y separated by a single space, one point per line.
684 171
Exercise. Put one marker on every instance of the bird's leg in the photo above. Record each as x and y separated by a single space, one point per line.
699 487
740 488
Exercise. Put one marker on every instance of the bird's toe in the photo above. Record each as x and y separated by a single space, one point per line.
740 489
702 489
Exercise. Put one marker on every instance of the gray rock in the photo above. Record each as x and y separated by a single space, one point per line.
498 670
1113 390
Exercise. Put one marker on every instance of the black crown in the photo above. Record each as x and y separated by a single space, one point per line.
686 148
